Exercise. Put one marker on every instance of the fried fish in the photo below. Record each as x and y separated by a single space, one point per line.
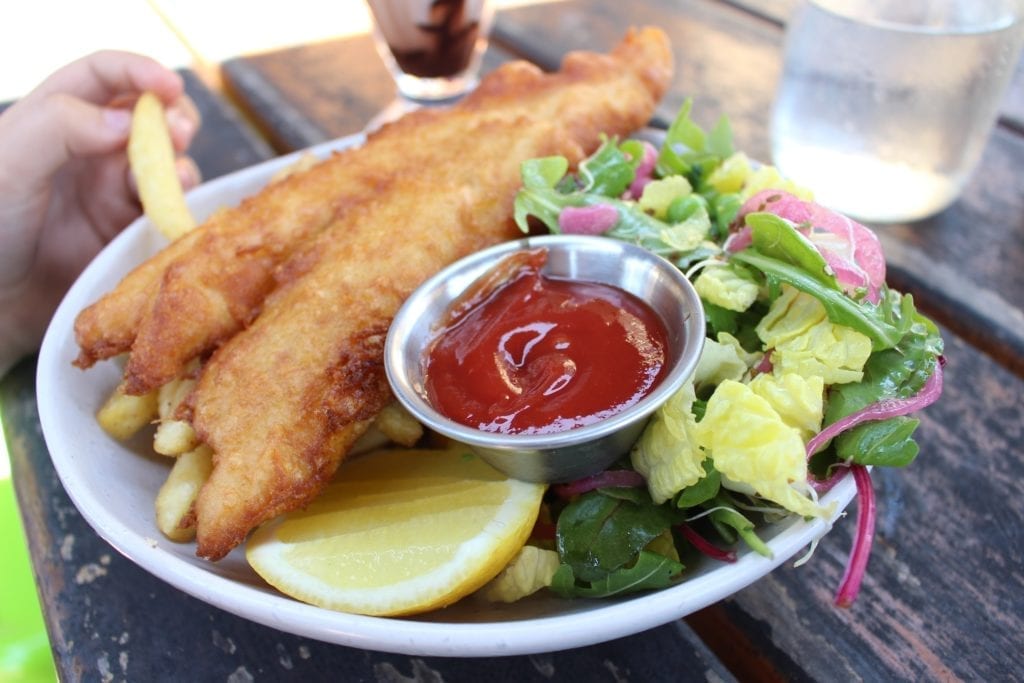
289 295
281 401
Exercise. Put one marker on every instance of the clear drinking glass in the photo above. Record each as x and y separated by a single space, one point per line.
433 48
884 106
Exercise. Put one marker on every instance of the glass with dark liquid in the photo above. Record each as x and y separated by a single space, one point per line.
432 47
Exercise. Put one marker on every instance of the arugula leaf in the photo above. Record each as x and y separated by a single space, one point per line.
650 571
893 373
778 238
720 319
688 151
719 140
887 443
543 172
724 208
538 196
887 374
699 408
541 203
724 514
704 490
682 140
607 171
884 325
598 534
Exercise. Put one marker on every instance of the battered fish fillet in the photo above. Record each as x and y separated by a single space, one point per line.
282 401
170 312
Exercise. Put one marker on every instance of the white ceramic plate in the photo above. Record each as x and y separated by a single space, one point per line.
114 486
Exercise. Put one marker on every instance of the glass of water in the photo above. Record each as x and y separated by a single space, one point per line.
884 106
433 48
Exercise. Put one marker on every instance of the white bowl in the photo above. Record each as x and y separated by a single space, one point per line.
114 485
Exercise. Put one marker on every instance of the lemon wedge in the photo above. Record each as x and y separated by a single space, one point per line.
398 532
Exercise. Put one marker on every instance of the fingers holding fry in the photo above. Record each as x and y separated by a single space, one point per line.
152 159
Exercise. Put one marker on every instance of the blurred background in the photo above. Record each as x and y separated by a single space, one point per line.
41 36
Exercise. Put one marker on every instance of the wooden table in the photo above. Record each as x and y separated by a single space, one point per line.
944 596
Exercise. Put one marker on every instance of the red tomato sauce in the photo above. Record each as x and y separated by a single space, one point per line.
533 354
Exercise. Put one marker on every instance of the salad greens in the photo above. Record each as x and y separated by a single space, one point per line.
811 366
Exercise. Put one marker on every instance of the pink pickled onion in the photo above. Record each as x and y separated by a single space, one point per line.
644 172
587 220
765 366
851 250
601 480
849 586
705 546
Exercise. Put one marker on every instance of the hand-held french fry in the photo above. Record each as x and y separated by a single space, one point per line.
174 501
151 155
123 415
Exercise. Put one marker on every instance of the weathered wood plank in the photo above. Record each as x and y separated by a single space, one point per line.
224 142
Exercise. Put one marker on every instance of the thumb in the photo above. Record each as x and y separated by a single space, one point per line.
59 128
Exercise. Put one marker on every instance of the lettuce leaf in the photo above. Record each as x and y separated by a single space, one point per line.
650 572
885 325
599 534
688 151
887 374
608 171
887 443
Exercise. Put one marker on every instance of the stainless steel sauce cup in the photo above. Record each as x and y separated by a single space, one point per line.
575 453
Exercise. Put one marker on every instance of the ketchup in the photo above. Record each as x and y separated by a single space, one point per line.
532 354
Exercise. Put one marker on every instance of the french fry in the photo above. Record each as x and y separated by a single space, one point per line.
174 502
123 415
174 437
396 423
371 440
151 155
